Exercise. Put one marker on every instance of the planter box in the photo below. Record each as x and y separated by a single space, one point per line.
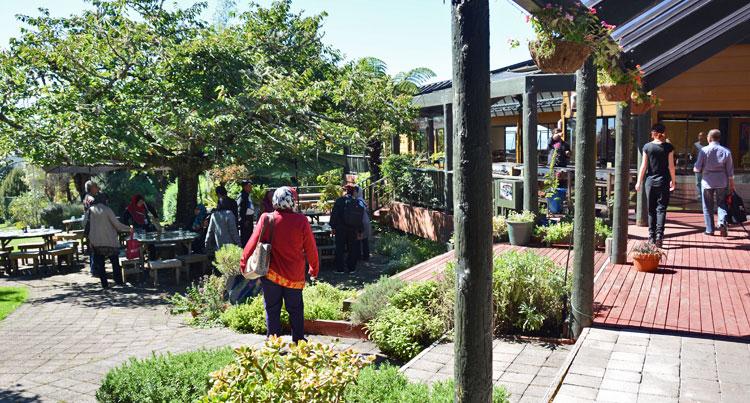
420 221
335 328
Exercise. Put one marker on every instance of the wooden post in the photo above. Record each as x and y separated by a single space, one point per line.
396 144
530 153
430 135
448 142
472 167
582 297
622 185
641 128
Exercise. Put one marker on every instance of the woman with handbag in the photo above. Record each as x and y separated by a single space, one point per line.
287 237
103 238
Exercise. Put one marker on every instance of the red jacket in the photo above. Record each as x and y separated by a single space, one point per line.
293 241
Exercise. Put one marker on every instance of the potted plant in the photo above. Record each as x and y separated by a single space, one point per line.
499 228
646 256
552 190
563 38
642 102
520 226
616 85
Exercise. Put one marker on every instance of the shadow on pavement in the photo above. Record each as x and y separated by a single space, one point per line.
18 396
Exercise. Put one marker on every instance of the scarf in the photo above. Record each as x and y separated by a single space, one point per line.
137 213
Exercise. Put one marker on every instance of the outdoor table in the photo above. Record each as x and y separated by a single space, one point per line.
155 238
313 215
7 236
69 223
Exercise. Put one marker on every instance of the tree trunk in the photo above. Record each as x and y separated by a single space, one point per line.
187 193
375 153
582 297
622 185
79 180
472 191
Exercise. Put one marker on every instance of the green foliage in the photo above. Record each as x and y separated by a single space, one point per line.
524 216
499 228
121 186
227 260
163 378
402 334
324 301
387 384
404 251
287 372
204 301
13 185
331 182
648 248
527 292
602 231
419 294
27 208
374 298
10 299
560 232
408 180
206 196
249 317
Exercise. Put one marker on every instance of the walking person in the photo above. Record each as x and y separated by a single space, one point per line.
92 189
659 172
366 225
717 169
103 238
347 225
225 202
292 244
246 212
698 146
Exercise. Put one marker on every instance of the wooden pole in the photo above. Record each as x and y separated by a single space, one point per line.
530 153
430 138
448 141
582 297
472 167
641 128
622 184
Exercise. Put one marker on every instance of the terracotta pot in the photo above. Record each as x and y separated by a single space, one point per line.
616 92
647 263
640 109
566 58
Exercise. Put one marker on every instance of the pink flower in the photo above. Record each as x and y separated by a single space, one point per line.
569 17
528 18
592 11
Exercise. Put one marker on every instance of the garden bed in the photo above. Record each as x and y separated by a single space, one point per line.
335 328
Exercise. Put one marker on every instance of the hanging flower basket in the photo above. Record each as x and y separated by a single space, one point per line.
616 92
566 58
640 108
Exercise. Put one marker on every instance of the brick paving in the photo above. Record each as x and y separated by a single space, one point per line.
613 365
525 368
60 344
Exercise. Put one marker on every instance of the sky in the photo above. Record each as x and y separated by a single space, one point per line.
403 33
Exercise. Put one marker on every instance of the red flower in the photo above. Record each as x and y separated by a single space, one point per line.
592 11
528 18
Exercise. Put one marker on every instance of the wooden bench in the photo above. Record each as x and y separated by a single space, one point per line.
154 266
31 246
131 266
24 256
63 251
189 260
5 264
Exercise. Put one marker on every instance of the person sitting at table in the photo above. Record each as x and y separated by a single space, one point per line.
103 238
292 245
199 225
222 228
141 215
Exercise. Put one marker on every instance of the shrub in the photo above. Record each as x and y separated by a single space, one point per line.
324 301
404 251
249 317
387 384
402 334
204 301
164 378
331 182
27 208
499 228
557 233
420 294
52 215
120 186
524 216
602 231
374 298
13 185
227 260
527 292
288 372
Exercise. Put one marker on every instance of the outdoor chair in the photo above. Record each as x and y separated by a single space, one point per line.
154 266
189 260
130 267
24 256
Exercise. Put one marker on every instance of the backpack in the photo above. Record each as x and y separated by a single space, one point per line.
353 213
736 213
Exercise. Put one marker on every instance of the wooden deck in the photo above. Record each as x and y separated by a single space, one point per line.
703 287
431 269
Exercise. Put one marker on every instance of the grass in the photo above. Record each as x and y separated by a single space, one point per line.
10 299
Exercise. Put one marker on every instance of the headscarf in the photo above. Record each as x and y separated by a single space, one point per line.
202 213
283 199
137 213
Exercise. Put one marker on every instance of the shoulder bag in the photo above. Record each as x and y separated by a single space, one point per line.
257 264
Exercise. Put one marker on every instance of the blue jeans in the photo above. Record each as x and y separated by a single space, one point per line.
273 294
698 186
709 205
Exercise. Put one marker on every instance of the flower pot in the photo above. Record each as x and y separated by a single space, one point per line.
566 58
519 233
555 203
647 263
616 92
640 109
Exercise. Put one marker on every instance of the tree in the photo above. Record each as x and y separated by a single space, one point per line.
134 82
13 185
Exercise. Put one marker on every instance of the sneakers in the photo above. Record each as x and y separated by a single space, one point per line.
724 231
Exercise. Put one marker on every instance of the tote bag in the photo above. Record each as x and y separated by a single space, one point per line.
132 248
257 264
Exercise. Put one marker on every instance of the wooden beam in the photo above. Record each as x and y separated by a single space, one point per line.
448 144
622 185
530 153
582 296
430 137
472 167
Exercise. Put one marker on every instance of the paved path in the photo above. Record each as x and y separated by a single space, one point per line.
525 368
610 365
59 345
702 287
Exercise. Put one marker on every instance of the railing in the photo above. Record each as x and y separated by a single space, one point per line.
424 188
375 193
357 164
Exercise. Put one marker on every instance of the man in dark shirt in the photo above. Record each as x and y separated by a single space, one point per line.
346 230
659 172
246 212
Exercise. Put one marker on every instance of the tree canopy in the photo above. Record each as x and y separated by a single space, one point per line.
133 81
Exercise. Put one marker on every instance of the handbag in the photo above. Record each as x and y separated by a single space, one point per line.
132 248
257 264
240 290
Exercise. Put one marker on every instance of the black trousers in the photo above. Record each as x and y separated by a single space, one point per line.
347 249
366 249
658 201
246 230
99 269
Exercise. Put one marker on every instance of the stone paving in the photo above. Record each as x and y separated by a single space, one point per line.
60 344
630 366
525 368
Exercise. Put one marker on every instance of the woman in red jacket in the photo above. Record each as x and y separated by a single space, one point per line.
292 243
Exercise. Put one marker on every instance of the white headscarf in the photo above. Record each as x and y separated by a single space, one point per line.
283 198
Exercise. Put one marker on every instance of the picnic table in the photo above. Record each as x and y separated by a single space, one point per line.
158 238
313 215
7 236
71 222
